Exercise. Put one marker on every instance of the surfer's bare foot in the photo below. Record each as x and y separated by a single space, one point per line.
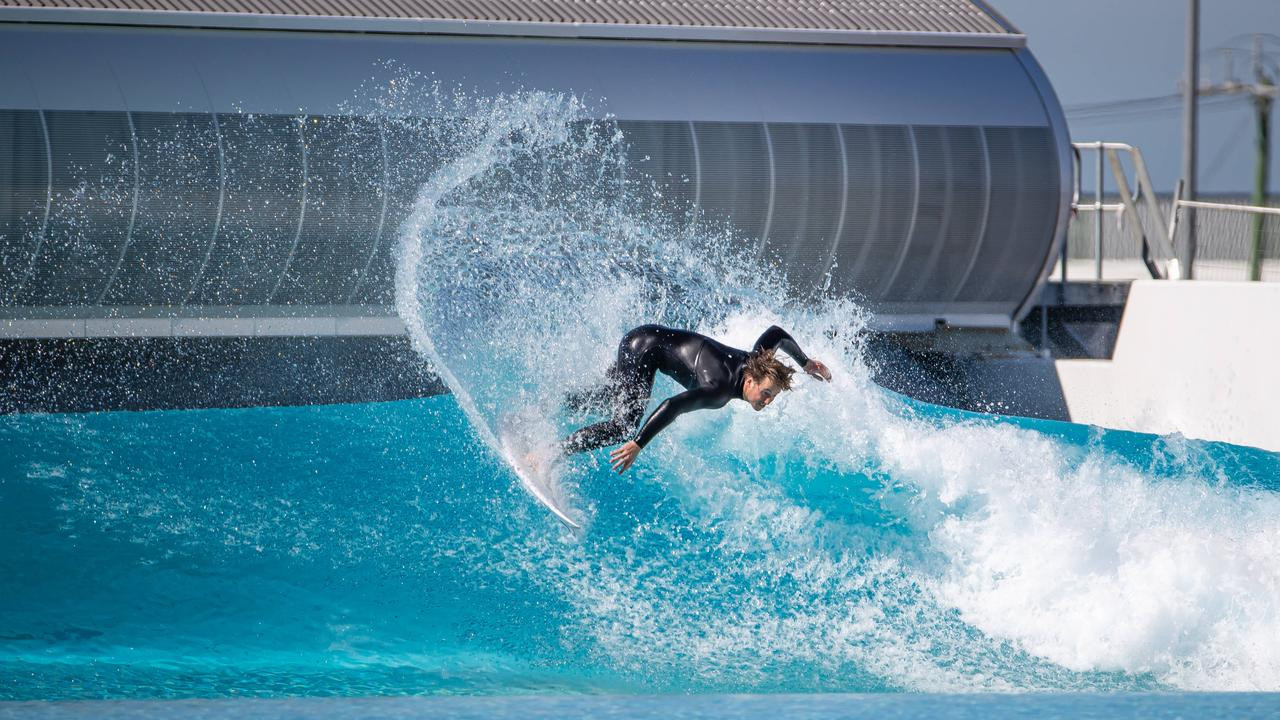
531 460
538 460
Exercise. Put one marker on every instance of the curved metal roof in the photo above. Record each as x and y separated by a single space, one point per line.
910 22
255 179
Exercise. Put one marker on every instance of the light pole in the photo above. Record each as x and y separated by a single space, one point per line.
1190 89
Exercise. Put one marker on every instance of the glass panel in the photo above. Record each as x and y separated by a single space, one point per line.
93 193
260 211
663 168
881 198
177 209
808 171
24 187
344 206
1024 194
735 175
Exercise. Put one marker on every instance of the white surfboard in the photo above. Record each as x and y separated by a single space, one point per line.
537 481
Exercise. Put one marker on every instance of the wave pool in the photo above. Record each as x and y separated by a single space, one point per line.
846 540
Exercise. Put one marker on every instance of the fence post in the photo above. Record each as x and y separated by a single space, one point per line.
1263 105
1097 218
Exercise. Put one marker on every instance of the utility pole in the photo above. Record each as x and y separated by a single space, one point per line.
1263 95
1189 111
1264 90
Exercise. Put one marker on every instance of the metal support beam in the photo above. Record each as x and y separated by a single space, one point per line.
1262 104
1190 90
1097 218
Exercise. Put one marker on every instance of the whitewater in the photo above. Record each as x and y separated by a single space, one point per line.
845 539
534 246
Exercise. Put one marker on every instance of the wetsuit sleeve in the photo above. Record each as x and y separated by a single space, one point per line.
775 338
673 407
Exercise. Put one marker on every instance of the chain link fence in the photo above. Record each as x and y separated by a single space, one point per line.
1233 242
1231 239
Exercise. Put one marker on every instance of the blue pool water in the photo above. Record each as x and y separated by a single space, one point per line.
846 540
381 549
881 706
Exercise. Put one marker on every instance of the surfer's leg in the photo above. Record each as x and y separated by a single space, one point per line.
594 399
628 411
609 432
627 367
635 374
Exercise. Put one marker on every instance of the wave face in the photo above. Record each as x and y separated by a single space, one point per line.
845 539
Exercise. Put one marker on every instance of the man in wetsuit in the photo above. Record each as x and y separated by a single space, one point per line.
712 374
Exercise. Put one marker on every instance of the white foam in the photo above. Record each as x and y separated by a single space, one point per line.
1084 560
1070 552
1033 560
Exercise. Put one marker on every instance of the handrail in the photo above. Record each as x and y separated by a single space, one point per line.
1160 235
1155 244
1263 210
1156 231
1257 211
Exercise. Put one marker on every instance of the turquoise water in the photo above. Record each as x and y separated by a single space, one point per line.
845 540
882 706
380 549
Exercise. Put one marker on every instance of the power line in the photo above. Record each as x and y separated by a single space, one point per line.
1134 102
1264 37
1146 107
1162 103
1226 104
1224 152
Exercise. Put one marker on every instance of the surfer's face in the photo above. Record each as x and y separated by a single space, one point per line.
760 393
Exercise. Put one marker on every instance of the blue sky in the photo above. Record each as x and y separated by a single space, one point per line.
1105 50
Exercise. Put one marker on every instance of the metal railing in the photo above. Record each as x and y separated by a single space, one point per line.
1138 209
1232 241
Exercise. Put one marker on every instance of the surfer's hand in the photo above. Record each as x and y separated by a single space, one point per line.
624 456
817 369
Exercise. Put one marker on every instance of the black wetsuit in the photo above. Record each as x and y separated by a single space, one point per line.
710 371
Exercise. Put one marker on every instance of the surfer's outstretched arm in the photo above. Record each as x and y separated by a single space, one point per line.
673 407
775 338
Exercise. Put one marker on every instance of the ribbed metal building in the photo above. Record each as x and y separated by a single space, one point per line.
909 151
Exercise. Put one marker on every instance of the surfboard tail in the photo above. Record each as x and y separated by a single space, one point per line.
534 466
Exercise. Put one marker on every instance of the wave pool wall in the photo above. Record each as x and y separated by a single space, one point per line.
148 174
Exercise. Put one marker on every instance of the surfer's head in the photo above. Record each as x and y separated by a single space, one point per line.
764 378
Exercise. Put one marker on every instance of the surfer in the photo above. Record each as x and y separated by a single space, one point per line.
712 374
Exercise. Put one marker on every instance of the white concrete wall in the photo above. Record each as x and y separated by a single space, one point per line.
1200 358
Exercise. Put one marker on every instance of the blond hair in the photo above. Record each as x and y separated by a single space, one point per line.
762 365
